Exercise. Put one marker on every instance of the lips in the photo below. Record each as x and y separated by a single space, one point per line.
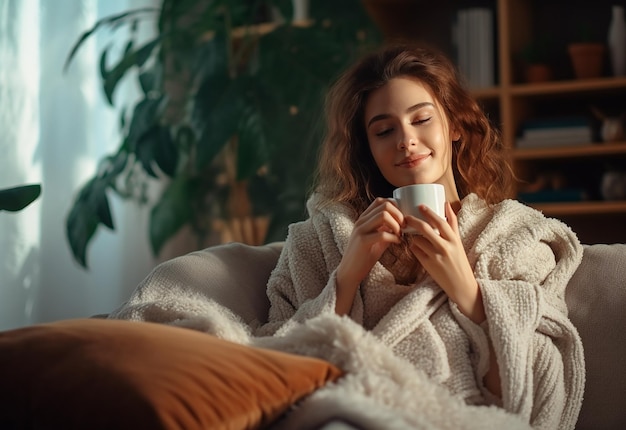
412 160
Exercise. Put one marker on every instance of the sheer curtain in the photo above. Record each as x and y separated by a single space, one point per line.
54 127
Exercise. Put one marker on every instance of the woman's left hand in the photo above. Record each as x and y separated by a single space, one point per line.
442 255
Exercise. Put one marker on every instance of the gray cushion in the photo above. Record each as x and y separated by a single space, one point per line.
233 274
596 297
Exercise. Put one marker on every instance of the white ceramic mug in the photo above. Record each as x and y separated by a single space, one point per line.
409 197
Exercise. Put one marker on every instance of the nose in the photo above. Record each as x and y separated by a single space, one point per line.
407 139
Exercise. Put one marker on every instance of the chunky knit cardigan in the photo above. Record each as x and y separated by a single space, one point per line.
410 359
522 262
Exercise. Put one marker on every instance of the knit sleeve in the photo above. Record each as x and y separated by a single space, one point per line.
303 284
522 278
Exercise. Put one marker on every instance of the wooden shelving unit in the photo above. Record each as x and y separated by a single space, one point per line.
511 100
591 150
582 208
571 86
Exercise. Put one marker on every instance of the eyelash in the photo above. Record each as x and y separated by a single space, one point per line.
389 130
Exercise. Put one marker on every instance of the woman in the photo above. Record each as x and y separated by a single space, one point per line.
475 300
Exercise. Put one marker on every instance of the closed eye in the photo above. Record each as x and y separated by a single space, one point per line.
390 130
422 121
384 132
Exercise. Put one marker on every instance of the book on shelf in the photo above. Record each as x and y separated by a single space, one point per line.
553 196
523 143
562 131
558 132
473 36
555 122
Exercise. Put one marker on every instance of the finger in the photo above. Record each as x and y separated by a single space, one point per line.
392 207
383 204
453 220
382 214
385 237
373 245
419 225
421 247
381 220
429 227
435 220
375 204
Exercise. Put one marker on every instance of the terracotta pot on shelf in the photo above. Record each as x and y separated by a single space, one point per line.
587 59
537 72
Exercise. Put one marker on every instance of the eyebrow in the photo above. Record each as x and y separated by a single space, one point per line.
409 110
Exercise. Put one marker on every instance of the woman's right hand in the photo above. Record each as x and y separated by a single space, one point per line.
379 226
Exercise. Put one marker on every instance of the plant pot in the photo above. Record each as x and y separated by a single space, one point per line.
537 73
587 59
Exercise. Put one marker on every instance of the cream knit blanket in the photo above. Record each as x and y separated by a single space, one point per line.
420 365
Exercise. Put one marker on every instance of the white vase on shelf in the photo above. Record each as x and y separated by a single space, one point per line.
300 10
617 41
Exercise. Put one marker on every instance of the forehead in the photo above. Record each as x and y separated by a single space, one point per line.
398 93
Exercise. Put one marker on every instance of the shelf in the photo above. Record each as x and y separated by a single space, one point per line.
486 93
257 29
511 102
581 208
567 87
597 150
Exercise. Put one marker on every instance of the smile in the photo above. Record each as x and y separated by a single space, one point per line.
412 161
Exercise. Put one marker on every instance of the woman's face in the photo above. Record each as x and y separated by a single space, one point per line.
409 135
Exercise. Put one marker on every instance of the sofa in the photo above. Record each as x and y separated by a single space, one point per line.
123 374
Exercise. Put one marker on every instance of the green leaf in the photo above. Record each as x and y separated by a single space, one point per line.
145 150
100 203
219 102
221 124
104 73
185 139
347 13
145 116
109 20
171 212
80 227
149 79
17 198
166 154
113 166
90 209
129 46
123 118
143 54
252 145
132 58
212 72
157 146
81 224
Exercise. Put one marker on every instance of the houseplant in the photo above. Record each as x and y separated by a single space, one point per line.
17 198
587 59
229 120
587 55
535 61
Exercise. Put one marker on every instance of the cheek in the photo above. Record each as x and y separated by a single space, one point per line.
380 154
441 143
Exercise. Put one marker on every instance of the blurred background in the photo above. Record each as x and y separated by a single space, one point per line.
55 127
155 127
159 127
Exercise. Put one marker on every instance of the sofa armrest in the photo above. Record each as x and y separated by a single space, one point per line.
236 275
596 299
233 275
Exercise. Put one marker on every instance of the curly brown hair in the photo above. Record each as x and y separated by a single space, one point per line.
346 171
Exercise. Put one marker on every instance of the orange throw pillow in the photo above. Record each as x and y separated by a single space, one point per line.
111 374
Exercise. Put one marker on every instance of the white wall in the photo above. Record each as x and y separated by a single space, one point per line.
54 126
